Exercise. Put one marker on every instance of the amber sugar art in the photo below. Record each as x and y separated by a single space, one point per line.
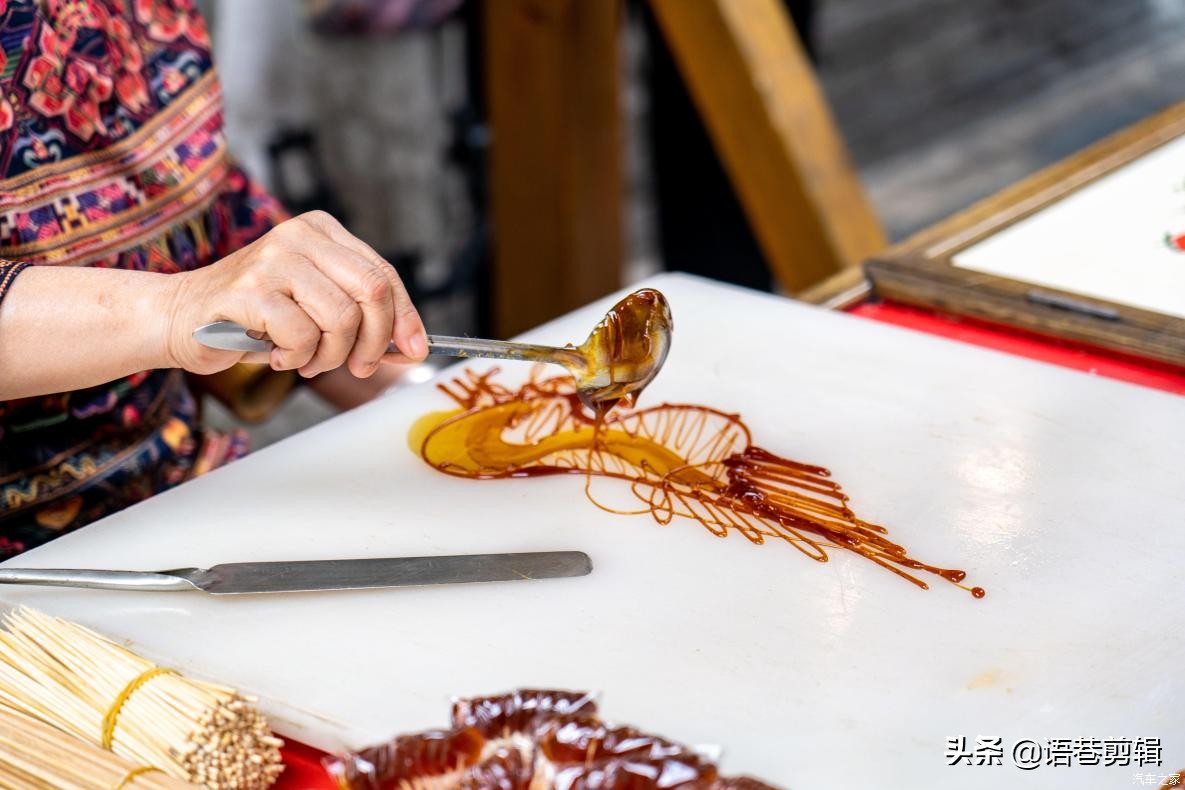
679 461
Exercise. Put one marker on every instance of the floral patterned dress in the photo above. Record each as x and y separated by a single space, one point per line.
111 154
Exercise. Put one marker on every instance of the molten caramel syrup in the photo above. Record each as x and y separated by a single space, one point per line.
678 459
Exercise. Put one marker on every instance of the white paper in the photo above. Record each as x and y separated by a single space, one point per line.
1116 239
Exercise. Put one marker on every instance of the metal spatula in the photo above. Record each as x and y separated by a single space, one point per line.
316 575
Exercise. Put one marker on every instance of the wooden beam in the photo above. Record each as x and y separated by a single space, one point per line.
771 126
556 172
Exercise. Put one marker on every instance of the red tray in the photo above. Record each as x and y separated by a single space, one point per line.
303 769
1064 353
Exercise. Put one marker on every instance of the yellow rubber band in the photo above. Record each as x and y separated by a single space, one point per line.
113 712
132 774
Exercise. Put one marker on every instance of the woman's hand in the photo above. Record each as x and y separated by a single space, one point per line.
322 296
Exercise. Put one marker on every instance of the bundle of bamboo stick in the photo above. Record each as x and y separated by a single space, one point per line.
80 682
39 757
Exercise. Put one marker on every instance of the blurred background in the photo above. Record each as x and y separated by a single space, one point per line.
424 124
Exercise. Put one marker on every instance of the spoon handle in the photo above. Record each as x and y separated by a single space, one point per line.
492 349
229 336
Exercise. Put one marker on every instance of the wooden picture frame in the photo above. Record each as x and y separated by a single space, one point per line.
921 271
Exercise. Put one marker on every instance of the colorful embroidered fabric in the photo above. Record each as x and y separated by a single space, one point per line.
111 154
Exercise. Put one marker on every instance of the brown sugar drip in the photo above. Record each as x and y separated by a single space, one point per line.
679 460
536 739
588 753
519 711
407 758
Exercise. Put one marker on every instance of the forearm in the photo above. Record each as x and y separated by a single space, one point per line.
64 329
322 296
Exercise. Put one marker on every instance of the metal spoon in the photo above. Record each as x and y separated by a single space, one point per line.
603 366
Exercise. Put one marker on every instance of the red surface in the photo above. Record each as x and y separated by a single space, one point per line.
1063 353
304 770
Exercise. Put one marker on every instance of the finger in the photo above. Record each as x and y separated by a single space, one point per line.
408 330
295 334
336 315
409 334
368 285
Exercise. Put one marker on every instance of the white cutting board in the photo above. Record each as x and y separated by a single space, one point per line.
1062 494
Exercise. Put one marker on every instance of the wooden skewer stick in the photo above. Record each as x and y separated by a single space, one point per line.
88 686
36 755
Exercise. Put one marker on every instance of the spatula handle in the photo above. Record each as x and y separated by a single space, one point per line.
94 579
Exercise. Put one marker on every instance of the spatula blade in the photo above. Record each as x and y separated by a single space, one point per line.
317 575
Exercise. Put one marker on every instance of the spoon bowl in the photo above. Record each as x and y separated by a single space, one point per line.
625 351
